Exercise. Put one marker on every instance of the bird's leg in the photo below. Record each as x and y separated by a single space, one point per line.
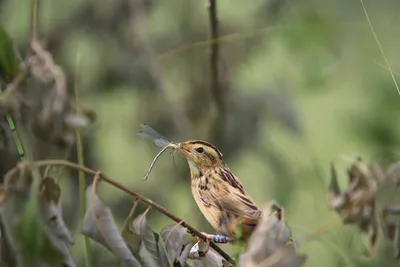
222 239
217 238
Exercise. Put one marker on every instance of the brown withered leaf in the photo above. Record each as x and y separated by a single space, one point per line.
356 204
391 229
50 190
388 226
393 173
269 245
51 210
57 119
398 242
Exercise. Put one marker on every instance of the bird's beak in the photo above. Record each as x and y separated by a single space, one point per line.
181 148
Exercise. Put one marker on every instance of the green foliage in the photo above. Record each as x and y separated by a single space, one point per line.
9 63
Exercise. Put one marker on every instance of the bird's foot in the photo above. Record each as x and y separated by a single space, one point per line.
215 238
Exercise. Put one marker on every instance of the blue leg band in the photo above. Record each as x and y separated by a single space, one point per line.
219 239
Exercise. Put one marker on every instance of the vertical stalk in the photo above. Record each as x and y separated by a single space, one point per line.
81 174
17 141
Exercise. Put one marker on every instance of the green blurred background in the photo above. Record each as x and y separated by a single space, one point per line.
299 83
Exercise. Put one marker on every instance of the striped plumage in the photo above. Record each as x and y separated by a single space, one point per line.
218 193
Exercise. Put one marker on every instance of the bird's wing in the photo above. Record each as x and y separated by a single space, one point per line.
227 194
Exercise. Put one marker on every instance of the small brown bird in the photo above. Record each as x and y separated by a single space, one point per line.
218 193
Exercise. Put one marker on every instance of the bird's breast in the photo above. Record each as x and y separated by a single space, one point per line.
219 219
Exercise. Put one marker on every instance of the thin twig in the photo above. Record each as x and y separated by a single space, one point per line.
141 219
92 198
380 46
225 38
215 87
214 71
93 194
43 163
34 16
385 67
130 213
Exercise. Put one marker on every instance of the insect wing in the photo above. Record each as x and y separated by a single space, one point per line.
149 133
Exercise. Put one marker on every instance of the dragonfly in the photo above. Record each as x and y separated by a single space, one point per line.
149 133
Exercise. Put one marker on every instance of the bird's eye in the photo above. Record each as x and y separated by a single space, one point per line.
200 149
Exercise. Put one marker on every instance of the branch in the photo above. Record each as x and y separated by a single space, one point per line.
44 163
34 15
214 46
216 90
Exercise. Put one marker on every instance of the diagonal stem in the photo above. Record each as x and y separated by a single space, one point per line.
69 164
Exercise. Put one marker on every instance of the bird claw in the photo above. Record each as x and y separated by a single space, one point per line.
209 237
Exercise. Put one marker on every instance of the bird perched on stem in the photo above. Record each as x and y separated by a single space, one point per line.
218 193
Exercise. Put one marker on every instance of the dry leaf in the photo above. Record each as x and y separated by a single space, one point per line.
268 245
356 204
99 225
174 237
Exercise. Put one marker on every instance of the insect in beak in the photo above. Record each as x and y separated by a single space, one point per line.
170 145
149 133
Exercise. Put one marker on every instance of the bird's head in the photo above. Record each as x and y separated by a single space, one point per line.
201 155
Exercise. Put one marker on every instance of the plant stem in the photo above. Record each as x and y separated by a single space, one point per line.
380 46
81 174
17 141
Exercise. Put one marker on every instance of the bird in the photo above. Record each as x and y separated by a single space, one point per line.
218 193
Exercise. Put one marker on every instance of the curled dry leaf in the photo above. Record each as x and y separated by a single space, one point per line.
185 255
50 207
150 249
174 236
99 225
132 239
389 227
43 67
57 120
49 124
269 245
356 204
211 259
162 253
393 173
146 257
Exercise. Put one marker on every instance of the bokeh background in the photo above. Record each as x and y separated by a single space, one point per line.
300 83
